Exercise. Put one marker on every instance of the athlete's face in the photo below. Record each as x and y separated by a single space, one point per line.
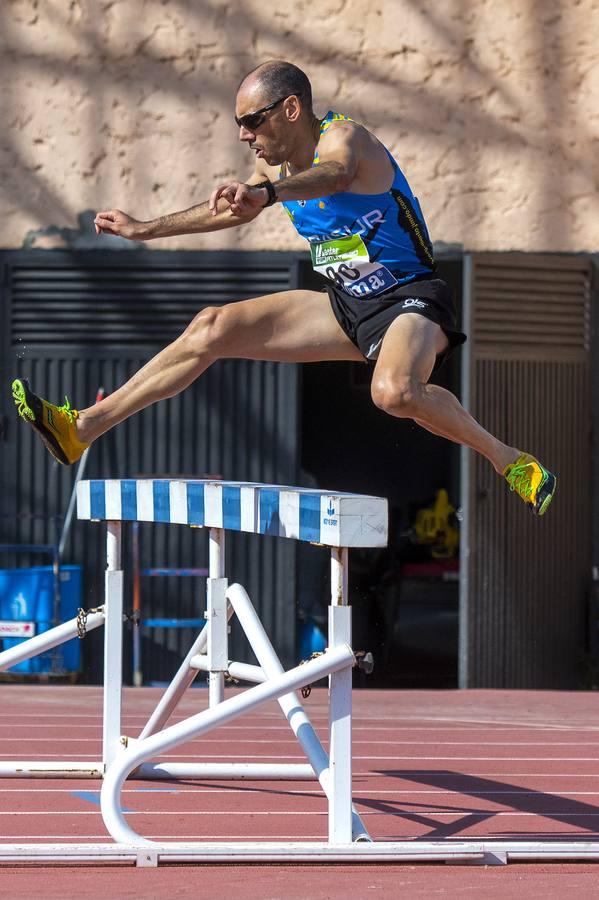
263 123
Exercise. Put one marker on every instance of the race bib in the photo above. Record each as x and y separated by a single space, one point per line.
345 262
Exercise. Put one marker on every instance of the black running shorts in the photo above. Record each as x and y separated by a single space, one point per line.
365 322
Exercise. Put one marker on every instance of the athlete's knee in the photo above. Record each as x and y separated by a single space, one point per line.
398 396
207 330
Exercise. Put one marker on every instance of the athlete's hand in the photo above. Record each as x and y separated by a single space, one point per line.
245 200
113 221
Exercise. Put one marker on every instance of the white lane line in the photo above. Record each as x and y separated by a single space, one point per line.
191 812
491 813
487 758
284 727
101 838
225 791
317 716
395 758
361 779
364 722
291 739
455 724
408 774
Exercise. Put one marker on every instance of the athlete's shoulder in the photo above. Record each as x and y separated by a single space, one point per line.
337 128
338 124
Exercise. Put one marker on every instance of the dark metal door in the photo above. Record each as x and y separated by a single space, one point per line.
527 380
8 501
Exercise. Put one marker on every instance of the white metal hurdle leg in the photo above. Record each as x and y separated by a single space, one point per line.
340 706
213 639
331 661
216 614
297 718
111 616
113 645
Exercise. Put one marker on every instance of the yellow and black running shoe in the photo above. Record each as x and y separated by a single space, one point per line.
54 424
531 481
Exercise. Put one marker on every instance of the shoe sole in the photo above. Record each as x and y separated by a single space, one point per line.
19 393
27 402
545 504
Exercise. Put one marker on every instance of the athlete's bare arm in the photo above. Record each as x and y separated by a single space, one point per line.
350 159
194 220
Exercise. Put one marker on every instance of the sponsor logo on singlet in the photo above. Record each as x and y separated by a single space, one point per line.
363 226
346 262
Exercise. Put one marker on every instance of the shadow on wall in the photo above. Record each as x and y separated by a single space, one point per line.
132 104
82 238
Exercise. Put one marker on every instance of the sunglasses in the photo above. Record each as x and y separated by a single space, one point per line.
251 121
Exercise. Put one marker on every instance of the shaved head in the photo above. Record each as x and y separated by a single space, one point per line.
276 78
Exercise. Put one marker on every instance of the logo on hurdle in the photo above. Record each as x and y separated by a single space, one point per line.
330 513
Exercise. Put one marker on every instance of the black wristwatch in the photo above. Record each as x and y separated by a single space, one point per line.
270 189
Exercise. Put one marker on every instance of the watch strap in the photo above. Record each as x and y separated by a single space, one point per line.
270 189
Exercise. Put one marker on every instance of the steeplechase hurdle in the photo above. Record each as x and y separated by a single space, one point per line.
339 521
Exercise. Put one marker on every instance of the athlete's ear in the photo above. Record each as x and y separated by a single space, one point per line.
293 108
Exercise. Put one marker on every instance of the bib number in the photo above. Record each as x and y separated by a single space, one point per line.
345 261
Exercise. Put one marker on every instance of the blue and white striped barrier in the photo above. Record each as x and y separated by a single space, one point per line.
336 520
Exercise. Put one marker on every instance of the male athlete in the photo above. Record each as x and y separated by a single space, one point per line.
345 194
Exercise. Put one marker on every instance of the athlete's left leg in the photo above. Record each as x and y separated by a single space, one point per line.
400 386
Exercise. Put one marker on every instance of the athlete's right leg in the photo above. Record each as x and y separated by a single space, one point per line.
292 326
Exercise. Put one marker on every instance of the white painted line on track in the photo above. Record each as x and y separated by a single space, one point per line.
166 838
404 775
459 725
321 717
490 813
225 791
68 838
291 739
191 812
394 758
285 727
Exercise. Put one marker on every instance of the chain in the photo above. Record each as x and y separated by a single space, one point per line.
307 688
81 622
82 615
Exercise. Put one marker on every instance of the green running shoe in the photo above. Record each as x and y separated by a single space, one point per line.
531 481
54 424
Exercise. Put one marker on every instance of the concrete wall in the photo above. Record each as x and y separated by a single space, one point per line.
490 108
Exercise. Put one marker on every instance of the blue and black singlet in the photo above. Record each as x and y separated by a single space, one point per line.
365 244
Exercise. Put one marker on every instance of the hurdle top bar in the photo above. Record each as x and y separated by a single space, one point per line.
321 517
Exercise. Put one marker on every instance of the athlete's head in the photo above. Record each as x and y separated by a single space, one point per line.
273 106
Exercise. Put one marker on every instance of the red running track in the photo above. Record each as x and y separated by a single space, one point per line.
453 765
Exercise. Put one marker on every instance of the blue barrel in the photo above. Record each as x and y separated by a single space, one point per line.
311 639
27 595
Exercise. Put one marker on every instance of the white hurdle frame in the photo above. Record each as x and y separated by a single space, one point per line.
359 522
210 653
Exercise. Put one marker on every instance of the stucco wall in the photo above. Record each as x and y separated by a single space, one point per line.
490 108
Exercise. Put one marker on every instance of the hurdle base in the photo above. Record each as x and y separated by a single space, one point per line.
243 852
163 771
48 769
448 852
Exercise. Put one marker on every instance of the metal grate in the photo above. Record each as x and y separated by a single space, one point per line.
113 301
531 306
